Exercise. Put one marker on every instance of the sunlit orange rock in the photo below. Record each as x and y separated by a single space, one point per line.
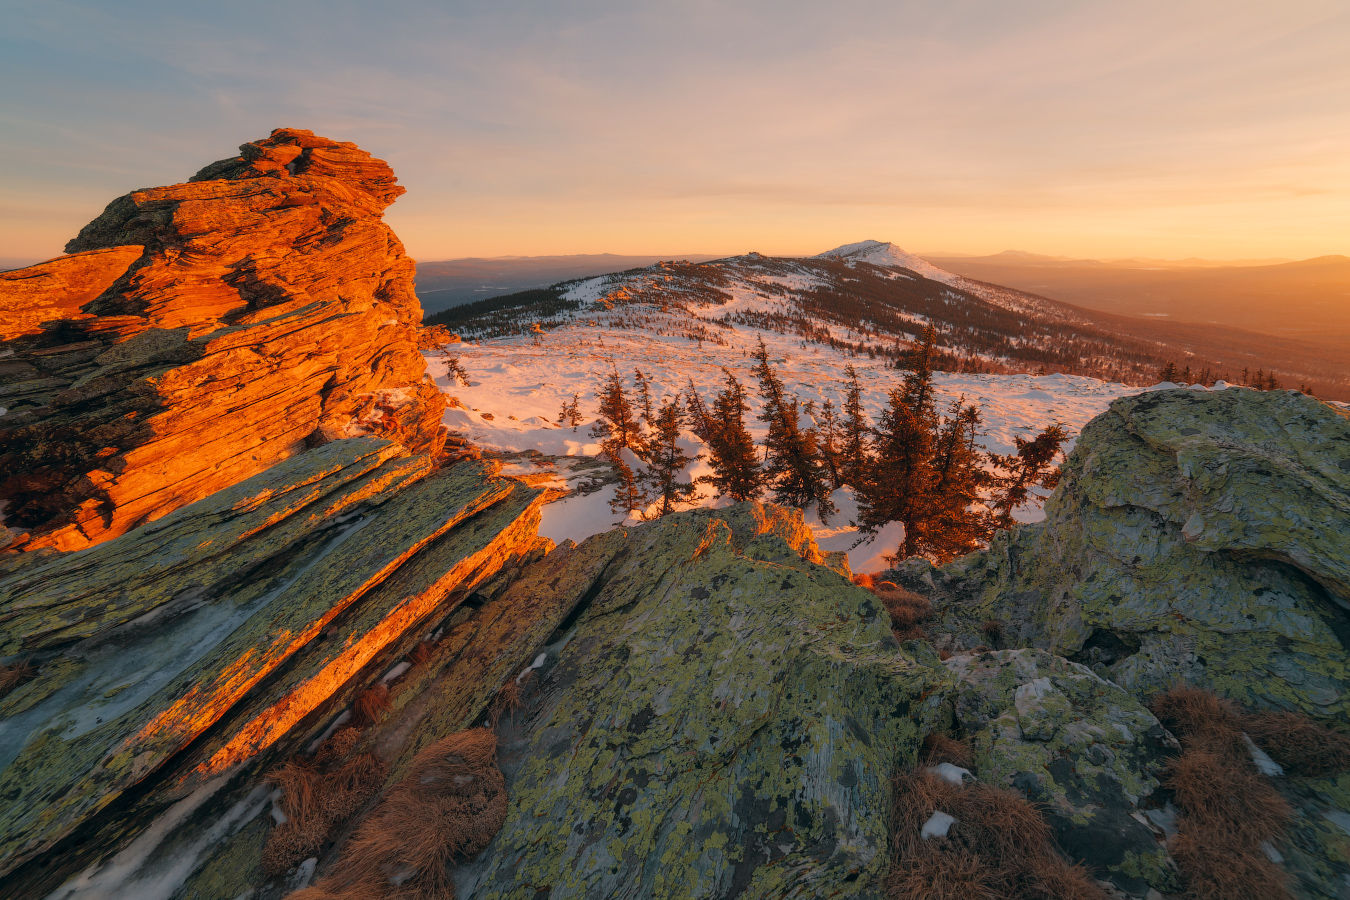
200 333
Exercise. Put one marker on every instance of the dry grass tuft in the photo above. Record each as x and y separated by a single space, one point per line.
317 795
422 653
940 748
15 674
451 805
1228 801
1000 846
993 630
1300 745
1199 718
1228 809
905 608
370 705
1214 871
864 580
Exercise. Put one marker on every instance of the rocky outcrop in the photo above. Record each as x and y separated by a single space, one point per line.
723 719
203 332
1090 754
1197 536
209 641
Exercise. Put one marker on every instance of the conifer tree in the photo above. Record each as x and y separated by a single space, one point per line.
830 434
899 474
948 525
792 464
571 412
616 426
854 450
1032 465
645 407
700 420
628 494
455 371
667 460
732 455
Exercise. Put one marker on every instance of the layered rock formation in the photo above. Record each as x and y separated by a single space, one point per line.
201 333
217 409
1196 536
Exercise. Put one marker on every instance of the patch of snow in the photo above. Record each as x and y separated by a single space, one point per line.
1264 764
952 774
395 672
937 826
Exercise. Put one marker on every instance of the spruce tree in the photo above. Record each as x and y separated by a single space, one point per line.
792 464
898 476
732 455
830 435
1032 465
667 460
645 408
949 525
616 427
854 450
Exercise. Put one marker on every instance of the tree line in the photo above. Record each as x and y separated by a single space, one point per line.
918 465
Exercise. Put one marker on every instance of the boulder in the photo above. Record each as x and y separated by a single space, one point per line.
723 719
1196 536
1090 755
202 332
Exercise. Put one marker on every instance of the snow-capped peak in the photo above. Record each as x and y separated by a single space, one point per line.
884 253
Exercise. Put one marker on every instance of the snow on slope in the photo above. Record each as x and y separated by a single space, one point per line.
519 383
886 254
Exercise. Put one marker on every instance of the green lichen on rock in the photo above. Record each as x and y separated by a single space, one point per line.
1196 536
724 720
1084 749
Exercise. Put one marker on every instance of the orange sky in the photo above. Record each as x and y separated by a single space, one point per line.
1162 129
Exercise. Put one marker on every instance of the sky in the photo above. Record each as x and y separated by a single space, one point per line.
1087 129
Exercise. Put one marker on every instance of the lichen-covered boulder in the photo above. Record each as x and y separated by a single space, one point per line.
1197 536
1085 750
724 720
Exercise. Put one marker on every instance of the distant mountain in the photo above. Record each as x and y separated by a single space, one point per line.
451 282
1308 300
873 298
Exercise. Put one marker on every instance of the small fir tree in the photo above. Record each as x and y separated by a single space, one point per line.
667 460
854 451
735 463
792 465
1031 465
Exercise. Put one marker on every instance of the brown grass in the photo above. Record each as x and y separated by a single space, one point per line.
992 629
940 748
1000 846
864 580
451 805
422 653
317 795
370 705
1228 809
1226 800
15 674
905 608
1199 718
1215 872
1300 745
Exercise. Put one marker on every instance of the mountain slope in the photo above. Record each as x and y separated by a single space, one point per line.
873 298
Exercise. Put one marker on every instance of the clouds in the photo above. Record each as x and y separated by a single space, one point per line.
656 126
